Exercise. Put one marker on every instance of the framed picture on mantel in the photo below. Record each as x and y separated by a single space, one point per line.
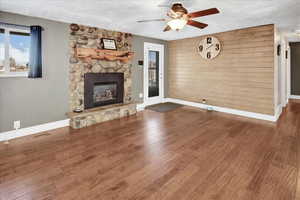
109 44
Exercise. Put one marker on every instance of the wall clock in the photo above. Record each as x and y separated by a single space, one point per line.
209 47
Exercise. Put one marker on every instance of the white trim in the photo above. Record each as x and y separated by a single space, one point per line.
13 75
272 118
154 101
4 136
140 107
160 48
278 112
6 72
294 96
289 75
16 28
283 72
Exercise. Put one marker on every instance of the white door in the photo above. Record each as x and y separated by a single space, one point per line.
153 73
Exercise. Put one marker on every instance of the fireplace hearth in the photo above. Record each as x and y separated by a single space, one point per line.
102 89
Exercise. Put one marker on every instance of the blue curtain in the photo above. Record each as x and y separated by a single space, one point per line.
35 54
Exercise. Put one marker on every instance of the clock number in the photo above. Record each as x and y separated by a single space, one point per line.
208 55
208 40
208 48
200 48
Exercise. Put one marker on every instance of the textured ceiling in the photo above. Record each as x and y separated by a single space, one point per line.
122 15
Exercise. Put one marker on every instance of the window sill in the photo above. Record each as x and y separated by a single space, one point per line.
14 75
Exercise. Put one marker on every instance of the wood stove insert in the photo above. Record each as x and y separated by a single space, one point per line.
102 89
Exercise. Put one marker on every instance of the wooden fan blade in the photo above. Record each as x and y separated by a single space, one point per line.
201 13
151 20
196 24
167 28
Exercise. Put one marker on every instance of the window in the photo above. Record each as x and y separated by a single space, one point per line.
14 52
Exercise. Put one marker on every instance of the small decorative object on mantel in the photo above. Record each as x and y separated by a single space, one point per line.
77 110
109 44
102 54
74 27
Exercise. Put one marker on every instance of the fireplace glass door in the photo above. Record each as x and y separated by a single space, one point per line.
104 92
102 89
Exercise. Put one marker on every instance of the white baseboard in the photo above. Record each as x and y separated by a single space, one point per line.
294 96
4 136
272 118
140 107
278 111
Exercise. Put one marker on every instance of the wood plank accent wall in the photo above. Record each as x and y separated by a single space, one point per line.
241 77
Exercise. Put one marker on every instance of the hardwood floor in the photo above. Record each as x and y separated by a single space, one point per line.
183 154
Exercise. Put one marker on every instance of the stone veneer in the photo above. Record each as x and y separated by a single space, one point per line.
90 37
101 114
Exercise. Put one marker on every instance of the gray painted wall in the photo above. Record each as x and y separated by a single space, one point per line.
38 101
138 73
295 68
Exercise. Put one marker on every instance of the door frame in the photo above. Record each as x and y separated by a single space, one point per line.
155 47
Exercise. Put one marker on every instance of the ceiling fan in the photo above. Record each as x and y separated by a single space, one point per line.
179 17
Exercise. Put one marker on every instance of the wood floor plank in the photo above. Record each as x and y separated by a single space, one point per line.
186 154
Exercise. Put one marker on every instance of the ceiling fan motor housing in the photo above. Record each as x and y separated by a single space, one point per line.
178 8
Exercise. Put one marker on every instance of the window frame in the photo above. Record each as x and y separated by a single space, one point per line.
6 72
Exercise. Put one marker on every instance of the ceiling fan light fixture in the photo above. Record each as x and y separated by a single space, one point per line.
177 24
179 17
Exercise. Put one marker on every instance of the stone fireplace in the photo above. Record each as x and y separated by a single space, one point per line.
100 88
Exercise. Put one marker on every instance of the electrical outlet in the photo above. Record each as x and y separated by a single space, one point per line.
210 108
141 95
17 125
